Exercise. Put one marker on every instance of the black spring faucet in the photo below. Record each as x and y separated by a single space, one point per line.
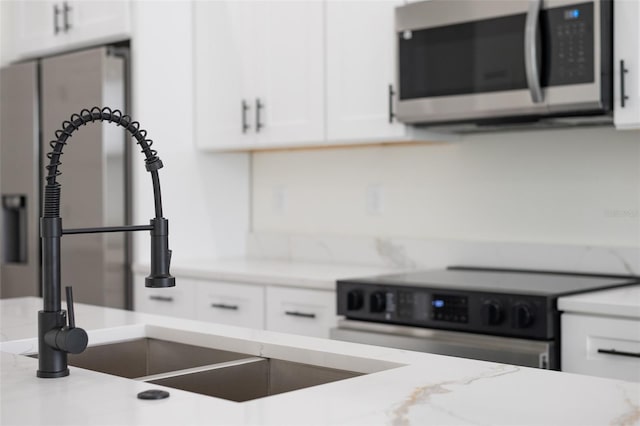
56 338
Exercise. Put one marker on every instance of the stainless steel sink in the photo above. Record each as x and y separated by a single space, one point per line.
213 372
251 378
144 357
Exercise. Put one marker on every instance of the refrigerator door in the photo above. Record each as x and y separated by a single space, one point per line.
20 181
93 172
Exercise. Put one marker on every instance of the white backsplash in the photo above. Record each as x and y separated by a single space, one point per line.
407 253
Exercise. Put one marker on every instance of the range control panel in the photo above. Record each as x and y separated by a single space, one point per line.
499 314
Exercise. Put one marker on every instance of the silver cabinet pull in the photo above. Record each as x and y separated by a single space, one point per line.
531 51
300 314
161 298
225 306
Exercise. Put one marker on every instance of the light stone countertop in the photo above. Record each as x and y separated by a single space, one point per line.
420 389
270 272
620 302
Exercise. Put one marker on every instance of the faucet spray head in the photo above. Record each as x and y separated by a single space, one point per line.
160 256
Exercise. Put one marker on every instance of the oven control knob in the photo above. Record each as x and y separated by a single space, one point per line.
378 301
522 315
355 300
492 313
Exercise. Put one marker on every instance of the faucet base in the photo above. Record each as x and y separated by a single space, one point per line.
52 375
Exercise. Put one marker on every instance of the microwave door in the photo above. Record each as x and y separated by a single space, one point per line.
466 60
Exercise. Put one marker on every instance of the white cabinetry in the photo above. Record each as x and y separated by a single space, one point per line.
46 26
230 303
627 55
305 311
601 346
361 71
301 311
178 301
259 70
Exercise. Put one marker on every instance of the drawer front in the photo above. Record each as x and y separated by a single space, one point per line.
601 346
178 301
230 303
301 311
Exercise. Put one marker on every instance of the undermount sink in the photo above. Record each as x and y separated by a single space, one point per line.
252 378
144 357
223 374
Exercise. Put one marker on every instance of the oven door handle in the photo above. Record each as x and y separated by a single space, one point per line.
531 51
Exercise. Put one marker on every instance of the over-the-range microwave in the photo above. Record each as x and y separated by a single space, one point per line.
470 64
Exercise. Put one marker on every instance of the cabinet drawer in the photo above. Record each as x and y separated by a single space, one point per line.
600 346
230 303
178 301
301 311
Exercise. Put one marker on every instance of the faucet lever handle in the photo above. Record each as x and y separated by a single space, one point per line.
70 313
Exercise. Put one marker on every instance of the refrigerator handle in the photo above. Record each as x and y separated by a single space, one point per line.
14 209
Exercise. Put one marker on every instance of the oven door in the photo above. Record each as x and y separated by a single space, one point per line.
469 60
529 353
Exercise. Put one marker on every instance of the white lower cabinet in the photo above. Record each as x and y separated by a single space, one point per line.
301 311
178 301
601 346
309 312
230 303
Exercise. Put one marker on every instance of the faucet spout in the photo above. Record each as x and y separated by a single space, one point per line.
55 338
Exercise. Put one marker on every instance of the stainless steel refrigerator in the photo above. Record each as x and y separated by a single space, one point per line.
37 96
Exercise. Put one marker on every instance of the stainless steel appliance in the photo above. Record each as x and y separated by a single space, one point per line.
487 314
478 63
36 98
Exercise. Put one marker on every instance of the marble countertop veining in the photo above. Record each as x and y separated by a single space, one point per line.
412 388
256 271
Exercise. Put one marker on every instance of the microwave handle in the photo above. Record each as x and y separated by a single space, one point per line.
530 50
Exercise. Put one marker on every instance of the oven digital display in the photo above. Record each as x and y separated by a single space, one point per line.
449 308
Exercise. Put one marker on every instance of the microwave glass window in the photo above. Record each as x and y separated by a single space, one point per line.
472 57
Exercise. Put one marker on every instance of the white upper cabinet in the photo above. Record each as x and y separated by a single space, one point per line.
626 64
223 63
258 74
43 27
361 71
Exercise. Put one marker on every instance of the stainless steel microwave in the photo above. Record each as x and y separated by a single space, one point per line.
487 62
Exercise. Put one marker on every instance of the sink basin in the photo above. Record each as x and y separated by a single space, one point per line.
214 372
144 357
251 378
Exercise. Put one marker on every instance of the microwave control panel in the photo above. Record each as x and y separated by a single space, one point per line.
569 57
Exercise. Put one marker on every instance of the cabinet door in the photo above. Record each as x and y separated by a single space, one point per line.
360 71
230 303
223 59
178 301
289 46
34 26
301 311
627 52
97 21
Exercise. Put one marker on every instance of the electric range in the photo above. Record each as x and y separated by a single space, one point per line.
492 314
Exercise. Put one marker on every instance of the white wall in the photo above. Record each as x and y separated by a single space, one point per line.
559 187
205 196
